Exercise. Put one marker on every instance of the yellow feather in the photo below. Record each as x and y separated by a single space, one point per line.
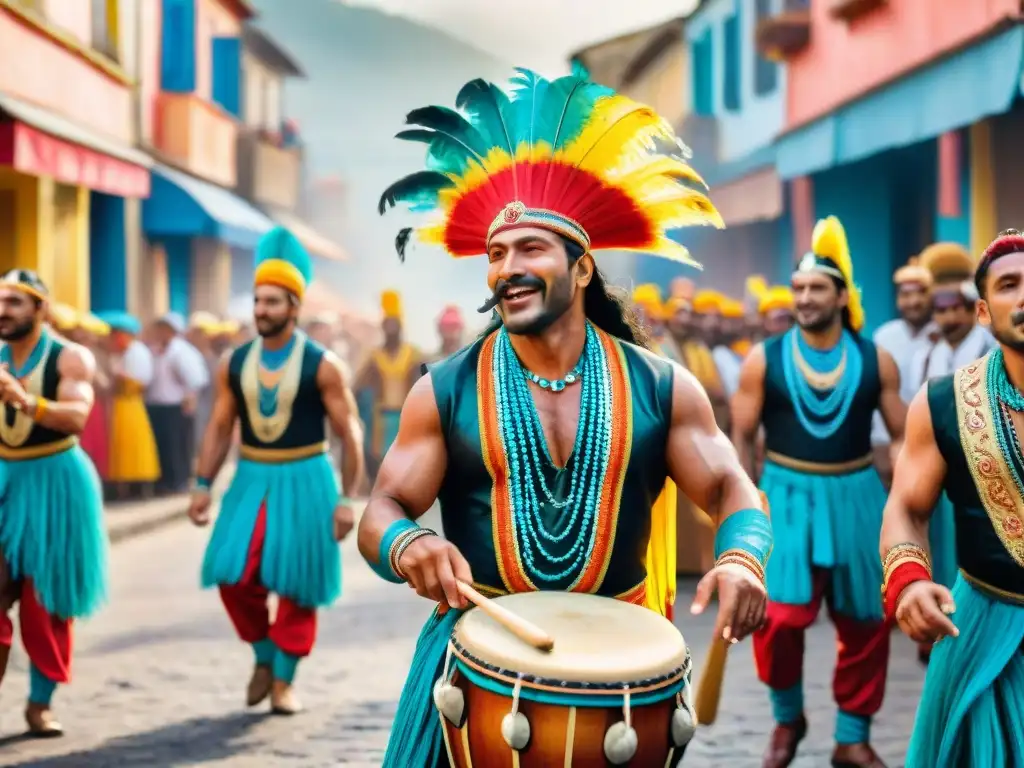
693 209
644 167
668 249
757 286
829 239
619 129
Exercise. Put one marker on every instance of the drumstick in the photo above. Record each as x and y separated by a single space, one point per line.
525 630
709 686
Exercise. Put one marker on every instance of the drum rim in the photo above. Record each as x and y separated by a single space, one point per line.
540 683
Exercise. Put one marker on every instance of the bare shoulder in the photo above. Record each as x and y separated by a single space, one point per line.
919 418
76 362
690 401
332 371
755 360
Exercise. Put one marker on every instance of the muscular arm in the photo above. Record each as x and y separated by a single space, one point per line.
917 481
75 393
217 440
701 460
890 403
344 417
412 471
747 405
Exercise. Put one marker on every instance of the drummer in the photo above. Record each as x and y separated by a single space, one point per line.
484 431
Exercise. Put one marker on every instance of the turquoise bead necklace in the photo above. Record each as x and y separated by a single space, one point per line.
527 457
821 413
272 360
1004 398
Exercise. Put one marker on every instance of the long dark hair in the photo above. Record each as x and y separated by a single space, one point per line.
607 306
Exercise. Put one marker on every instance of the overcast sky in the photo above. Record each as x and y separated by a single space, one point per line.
540 34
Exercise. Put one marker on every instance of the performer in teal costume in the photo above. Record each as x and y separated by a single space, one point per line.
282 516
815 389
562 350
963 439
53 541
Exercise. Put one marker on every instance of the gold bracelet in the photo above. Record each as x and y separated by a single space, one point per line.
899 555
744 558
40 410
899 550
402 543
743 554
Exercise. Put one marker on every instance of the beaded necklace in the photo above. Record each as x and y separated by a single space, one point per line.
271 369
527 457
821 412
1005 398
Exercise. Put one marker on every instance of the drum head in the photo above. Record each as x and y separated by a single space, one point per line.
597 639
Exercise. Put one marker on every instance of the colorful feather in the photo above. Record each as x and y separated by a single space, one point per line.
829 240
611 169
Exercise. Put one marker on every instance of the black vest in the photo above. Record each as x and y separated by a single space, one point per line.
307 425
51 380
465 495
785 435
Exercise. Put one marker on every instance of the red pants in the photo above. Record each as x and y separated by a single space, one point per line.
47 639
861 664
294 627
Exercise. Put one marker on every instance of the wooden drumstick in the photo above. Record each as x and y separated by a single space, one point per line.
709 686
525 630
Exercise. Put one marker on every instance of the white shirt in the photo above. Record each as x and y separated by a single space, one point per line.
898 338
177 373
942 359
137 363
729 365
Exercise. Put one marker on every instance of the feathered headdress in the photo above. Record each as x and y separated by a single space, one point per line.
756 287
830 255
567 155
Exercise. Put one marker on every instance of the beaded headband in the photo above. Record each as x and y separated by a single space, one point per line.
515 215
812 262
27 282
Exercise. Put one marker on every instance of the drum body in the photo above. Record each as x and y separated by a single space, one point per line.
614 691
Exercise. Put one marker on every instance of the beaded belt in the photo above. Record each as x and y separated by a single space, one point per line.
7 453
281 455
1002 595
817 468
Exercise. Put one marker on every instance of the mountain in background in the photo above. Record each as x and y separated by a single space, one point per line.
365 71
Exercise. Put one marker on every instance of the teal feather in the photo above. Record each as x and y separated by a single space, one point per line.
281 244
445 153
488 108
447 121
418 189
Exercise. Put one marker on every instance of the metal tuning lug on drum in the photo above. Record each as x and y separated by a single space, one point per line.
448 698
620 742
515 728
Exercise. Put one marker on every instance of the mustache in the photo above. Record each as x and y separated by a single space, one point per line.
517 281
1017 317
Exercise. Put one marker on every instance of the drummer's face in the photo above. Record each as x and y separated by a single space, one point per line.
538 277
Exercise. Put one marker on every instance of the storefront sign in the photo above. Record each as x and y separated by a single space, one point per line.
38 154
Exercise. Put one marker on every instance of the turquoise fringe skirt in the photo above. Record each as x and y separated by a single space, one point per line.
971 713
826 521
52 530
301 559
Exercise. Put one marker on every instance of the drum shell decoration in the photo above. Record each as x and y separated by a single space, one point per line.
562 724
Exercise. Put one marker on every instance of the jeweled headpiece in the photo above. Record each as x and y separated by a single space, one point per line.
567 155
830 255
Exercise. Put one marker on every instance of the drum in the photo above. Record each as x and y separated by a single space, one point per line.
614 690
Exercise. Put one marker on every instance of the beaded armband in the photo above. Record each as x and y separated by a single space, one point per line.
902 565
744 558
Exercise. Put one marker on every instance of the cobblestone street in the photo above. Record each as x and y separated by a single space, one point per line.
160 678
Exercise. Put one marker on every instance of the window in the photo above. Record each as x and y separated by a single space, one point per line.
105 28
178 46
733 56
702 64
766 73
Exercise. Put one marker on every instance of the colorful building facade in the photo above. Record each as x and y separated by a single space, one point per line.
900 146
70 177
198 229
737 107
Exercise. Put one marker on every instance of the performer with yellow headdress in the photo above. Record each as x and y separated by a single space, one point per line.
775 306
384 381
814 389
53 541
652 312
549 439
282 517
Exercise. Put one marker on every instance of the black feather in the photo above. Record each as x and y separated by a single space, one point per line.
402 242
445 120
416 188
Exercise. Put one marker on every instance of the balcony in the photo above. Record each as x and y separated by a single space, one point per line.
268 172
786 33
847 10
197 136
